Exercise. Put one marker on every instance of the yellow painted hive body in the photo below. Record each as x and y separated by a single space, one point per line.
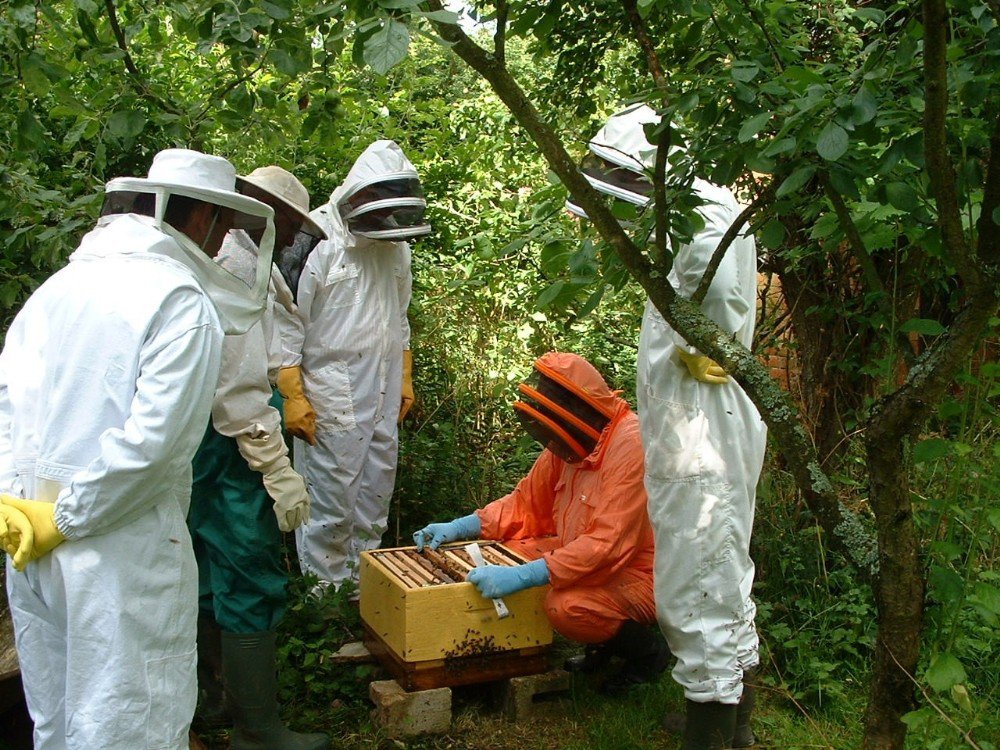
436 621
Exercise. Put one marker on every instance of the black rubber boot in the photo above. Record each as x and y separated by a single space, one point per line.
594 658
743 736
645 656
709 726
213 708
249 669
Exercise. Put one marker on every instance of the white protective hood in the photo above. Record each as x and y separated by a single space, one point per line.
382 161
622 141
239 302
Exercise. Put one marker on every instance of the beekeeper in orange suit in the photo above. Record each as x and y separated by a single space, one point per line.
580 515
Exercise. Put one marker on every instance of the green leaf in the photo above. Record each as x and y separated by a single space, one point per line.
945 670
993 515
795 180
285 62
864 107
874 15
29 130
745 71
279 10
753 126
592 302
126 123
546 297
930 449
387 47
832 142
996 216
34 75
772 235
902 196
923 326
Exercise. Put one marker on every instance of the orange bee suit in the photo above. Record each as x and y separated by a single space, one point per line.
588 520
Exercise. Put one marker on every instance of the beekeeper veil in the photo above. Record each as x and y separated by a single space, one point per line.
381 198
565 405
179 176
620 158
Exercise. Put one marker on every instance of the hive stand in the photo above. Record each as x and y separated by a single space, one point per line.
402 713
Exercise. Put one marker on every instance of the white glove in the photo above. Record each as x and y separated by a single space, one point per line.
268 454
291 501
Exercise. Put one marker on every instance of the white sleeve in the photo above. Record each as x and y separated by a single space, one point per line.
284 349
241 404
10 482
404 282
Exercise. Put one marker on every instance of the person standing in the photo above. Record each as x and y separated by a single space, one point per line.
355 374
106 382
241 474
704 443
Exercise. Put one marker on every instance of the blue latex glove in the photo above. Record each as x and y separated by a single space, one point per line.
498 581
436 534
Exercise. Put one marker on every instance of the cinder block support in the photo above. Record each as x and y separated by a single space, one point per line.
524 694
354 652
403 714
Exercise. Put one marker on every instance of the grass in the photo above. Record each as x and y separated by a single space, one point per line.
582 719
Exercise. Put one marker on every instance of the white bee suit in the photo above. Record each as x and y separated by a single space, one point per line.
704 442
704 453
352 297
106 382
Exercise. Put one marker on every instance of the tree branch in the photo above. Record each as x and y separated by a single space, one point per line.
645 43
988 241
728 239
662 259
134 75
500 36
940 170
857 244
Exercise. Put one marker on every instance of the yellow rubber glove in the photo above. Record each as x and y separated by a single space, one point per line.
702 368
406 400
300 417
41 516
16 535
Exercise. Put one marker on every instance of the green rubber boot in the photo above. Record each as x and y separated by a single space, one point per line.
743 736
709 726
213 708
248 662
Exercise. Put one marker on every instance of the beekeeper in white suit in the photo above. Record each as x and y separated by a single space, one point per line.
355 372
704 442
106 382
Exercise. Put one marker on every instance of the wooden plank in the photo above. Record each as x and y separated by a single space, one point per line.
403 577
511 554
457 670
442 562
495 558
414 571
458 561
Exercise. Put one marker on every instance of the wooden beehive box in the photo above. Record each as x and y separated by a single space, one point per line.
430 628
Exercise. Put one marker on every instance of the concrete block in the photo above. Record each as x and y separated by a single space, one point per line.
524 695
353 653
403 714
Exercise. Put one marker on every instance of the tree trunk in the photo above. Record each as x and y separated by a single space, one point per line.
899 594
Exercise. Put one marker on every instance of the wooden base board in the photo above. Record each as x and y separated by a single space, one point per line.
457 670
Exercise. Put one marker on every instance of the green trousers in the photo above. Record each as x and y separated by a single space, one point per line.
241 582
